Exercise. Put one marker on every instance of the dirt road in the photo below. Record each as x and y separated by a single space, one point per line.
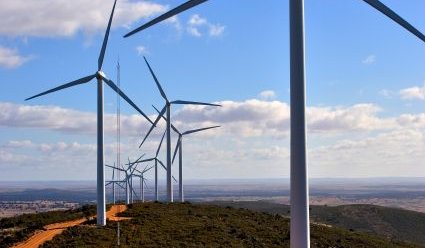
114 211
54 229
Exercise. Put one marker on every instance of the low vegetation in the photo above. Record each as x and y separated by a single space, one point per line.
393 223
189 225
18 228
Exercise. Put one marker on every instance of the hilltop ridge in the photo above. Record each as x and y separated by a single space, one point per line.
199 225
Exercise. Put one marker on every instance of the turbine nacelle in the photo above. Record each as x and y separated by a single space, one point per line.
100 75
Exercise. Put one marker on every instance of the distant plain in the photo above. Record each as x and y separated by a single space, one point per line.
406 193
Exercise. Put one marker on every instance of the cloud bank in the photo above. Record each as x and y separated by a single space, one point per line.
63 18
250 118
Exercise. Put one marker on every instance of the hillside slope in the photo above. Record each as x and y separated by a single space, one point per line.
188 225
16 229
394 223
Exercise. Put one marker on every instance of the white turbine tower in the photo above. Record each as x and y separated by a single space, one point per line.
167 108
300 233
101 78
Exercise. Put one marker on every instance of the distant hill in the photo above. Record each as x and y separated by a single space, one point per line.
201 225
394 223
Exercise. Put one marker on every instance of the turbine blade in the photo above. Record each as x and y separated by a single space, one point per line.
395 17
146 169
185 6
147 160
145 183
138 171
153 125
160 143
156 81
175 180
114 167
163 117
137 161
64 86
121 186
162 164
111 84
105 40
199 130
132 172
177 148
195 103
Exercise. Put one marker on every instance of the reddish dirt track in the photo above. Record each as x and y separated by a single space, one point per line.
54 229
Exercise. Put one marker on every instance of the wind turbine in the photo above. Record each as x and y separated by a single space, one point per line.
117 182
156 166
128 173
125 180
142 181
156 159
131 174
101 78
179 147
300 231
167 108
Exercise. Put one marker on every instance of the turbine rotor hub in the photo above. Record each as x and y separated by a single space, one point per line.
100 75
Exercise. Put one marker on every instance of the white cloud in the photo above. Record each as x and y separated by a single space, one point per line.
411 121
64 120
141 50
250 118
393 153
386 93
256 118
344 119
371 59
267 95
216 30
194 31
197 20
174 21
411 93
10 58
18 144
197 26
345 141
52 18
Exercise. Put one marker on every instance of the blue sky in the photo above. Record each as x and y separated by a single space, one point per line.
365 85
